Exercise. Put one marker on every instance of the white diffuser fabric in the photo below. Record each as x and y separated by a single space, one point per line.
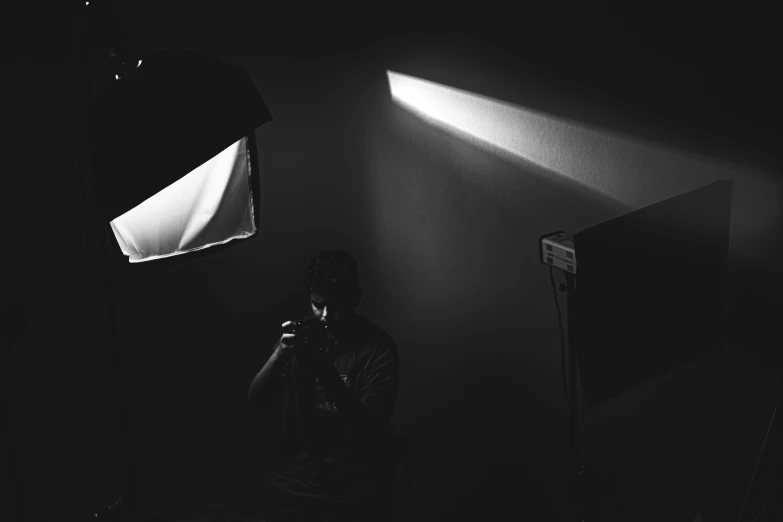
211 205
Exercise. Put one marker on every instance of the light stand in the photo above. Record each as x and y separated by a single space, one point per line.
129 501
557 250
576 475
673 252
149 127
123 60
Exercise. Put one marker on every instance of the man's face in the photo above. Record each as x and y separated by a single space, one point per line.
335 310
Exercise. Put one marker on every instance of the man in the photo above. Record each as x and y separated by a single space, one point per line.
335 459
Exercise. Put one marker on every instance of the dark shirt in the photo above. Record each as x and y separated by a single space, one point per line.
337 446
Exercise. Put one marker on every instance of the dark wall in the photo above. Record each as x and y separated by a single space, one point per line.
445 233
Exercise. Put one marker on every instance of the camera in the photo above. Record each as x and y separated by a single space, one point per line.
309 330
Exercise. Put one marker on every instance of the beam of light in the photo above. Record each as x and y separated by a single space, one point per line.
631 171
504 127
211 205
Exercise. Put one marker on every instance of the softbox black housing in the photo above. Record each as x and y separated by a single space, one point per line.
650 290
179 114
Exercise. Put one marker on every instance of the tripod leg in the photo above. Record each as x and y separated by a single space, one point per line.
767 502
755 469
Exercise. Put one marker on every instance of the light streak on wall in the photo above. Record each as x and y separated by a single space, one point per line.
631 171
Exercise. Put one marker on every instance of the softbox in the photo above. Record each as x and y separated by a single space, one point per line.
173 155
650 290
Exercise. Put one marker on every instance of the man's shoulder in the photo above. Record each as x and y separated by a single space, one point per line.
373 335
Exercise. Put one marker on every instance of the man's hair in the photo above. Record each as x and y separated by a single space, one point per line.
330 272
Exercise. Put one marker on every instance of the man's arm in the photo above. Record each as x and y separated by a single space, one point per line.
271 380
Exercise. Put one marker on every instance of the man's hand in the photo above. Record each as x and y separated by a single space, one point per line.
292 344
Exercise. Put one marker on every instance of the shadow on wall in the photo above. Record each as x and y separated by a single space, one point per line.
475 308
487 431
755 305
14 326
